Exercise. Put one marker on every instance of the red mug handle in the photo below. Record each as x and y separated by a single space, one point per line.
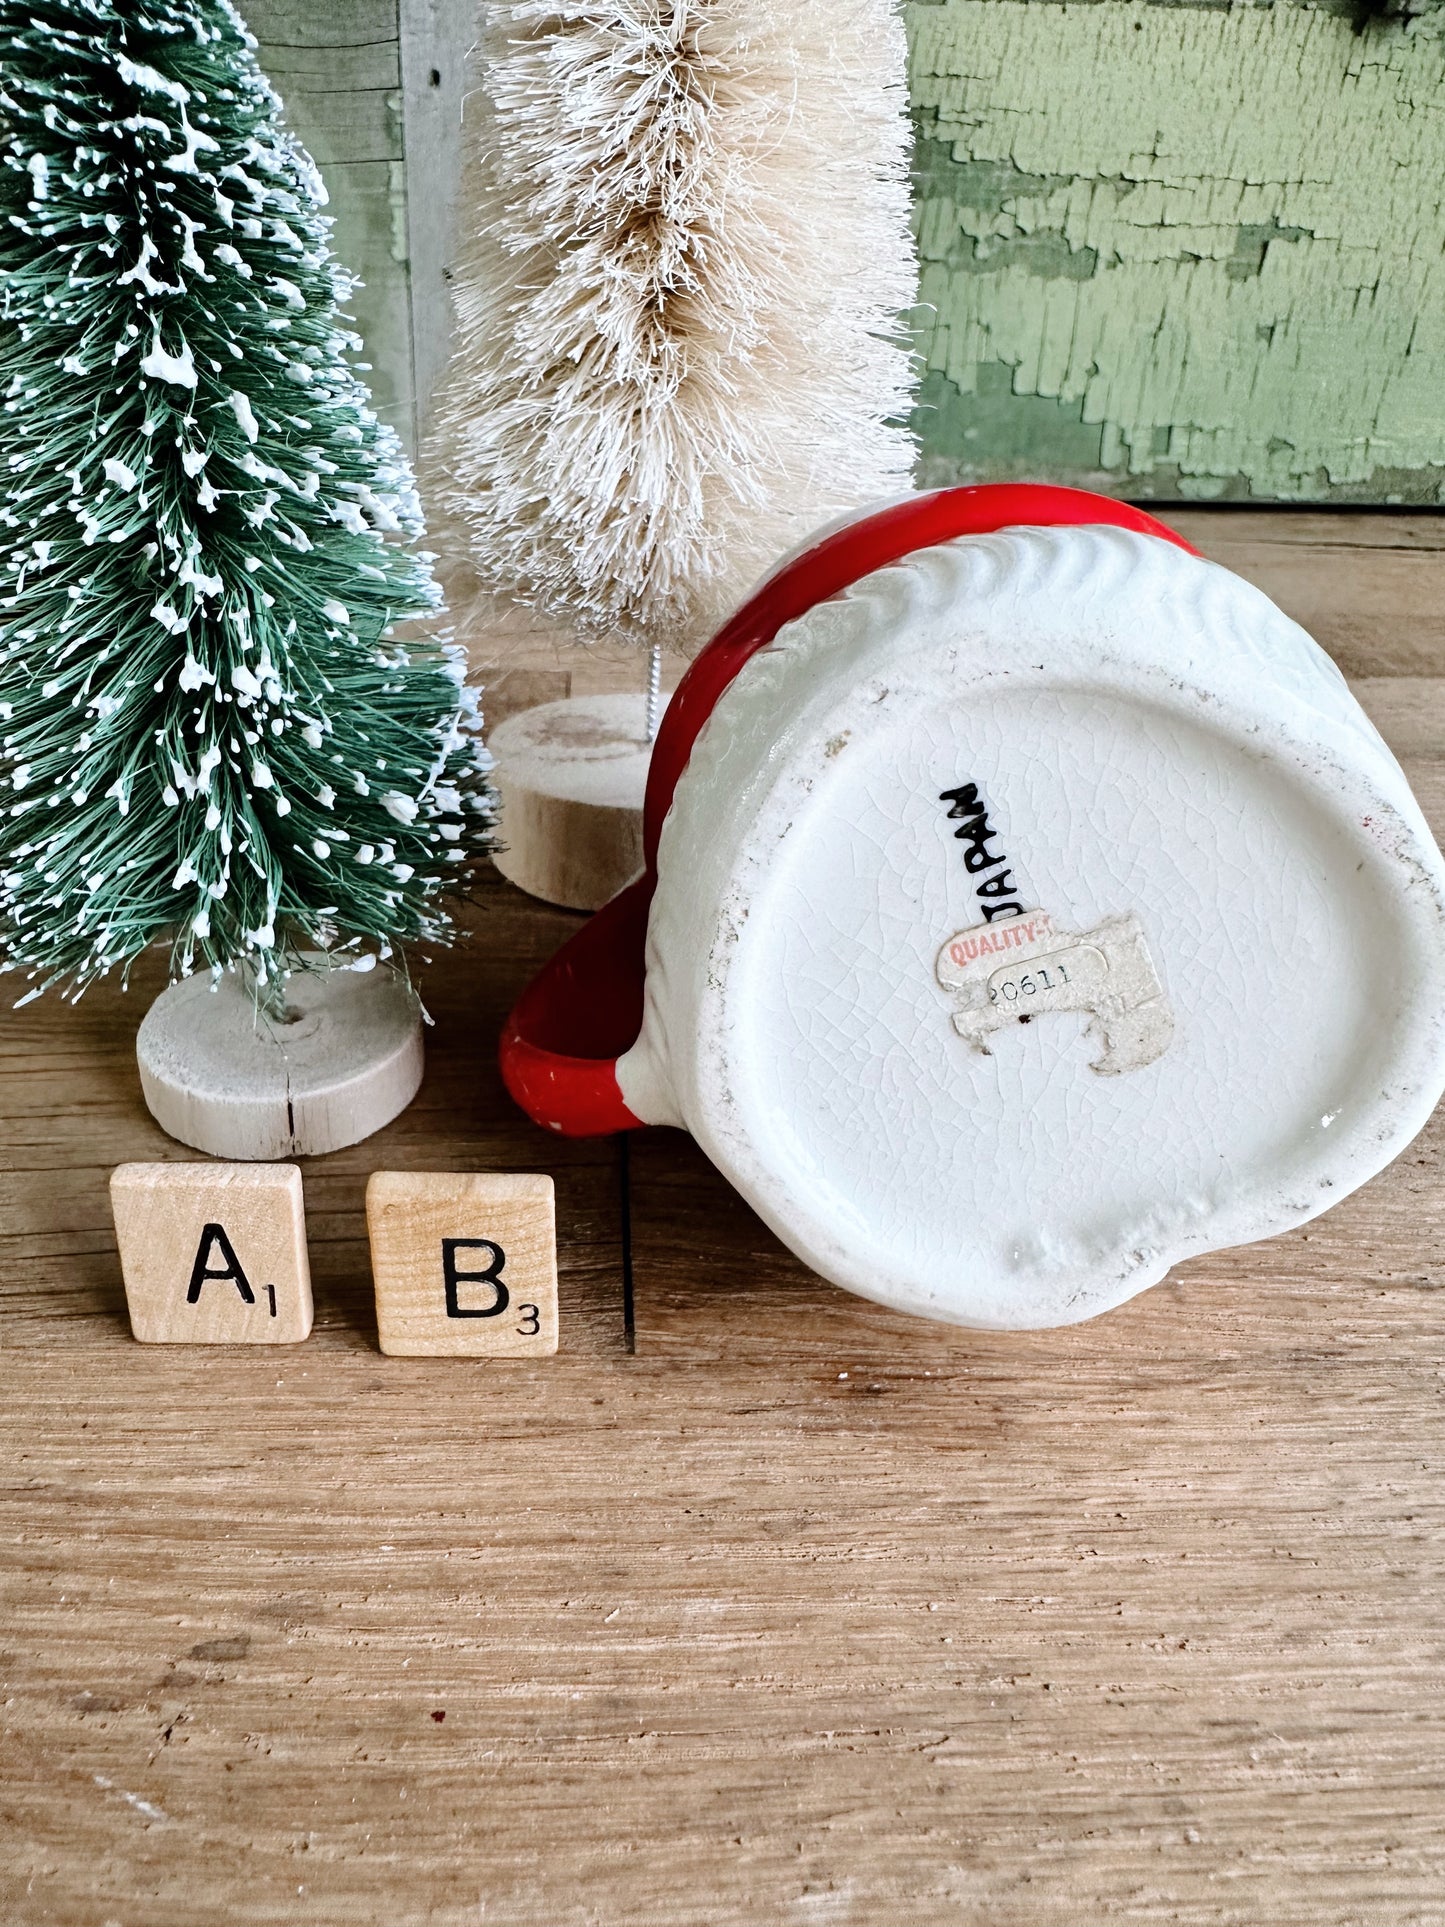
583 1009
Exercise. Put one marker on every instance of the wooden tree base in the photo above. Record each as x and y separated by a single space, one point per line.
570 778
221 1076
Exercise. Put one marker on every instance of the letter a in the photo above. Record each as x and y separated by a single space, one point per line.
201 1271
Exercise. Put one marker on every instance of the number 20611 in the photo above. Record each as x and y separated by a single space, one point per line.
1028 984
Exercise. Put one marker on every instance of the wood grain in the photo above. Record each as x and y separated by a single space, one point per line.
71 1109
344 1060
375 88
464 1263
1367 587
337 68
213 1254
1140 1622
570 777
436 36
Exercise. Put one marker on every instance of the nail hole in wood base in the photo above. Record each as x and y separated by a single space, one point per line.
227 1078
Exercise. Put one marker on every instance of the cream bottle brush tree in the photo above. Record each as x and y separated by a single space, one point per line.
683 262
209 733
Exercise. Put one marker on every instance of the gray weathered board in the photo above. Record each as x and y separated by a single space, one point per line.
374 89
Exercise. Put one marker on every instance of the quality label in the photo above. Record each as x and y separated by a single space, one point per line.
1008 973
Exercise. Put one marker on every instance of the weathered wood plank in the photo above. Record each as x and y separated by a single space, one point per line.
1182 250
436 36
340 86
711 1284
371 240
347 127
1141 1622
71 1109
328 66
337 69
1006 1639
294 28
1367 587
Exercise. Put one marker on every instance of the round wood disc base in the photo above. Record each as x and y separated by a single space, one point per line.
570 778
219 1075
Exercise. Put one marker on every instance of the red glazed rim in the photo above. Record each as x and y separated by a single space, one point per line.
583 1009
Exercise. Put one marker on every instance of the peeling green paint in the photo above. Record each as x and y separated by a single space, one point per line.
1188 250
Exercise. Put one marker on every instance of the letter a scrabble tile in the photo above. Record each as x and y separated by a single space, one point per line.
464 1263
213 1254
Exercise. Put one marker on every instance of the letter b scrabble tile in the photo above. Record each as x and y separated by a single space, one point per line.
464 1262
213 1254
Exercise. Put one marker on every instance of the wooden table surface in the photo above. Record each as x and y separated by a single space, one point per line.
757 1605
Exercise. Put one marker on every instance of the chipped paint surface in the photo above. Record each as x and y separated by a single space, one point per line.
1183 250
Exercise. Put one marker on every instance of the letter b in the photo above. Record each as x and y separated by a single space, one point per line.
453 1276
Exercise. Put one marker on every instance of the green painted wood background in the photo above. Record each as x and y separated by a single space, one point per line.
1168 249
1183 250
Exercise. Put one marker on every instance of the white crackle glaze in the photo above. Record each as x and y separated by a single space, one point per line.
1151 737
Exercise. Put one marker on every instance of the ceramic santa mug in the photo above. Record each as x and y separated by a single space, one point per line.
1028 906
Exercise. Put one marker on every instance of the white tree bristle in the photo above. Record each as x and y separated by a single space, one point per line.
685 257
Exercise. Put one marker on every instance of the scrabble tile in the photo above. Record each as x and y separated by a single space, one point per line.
464 1263
213 1254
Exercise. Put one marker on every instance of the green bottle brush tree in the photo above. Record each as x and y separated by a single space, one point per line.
210 732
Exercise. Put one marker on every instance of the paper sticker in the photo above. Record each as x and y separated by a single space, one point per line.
1007 973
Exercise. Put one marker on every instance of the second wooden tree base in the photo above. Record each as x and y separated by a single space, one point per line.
570 778
222 1076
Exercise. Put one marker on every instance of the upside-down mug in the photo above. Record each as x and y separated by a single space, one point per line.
1028 906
